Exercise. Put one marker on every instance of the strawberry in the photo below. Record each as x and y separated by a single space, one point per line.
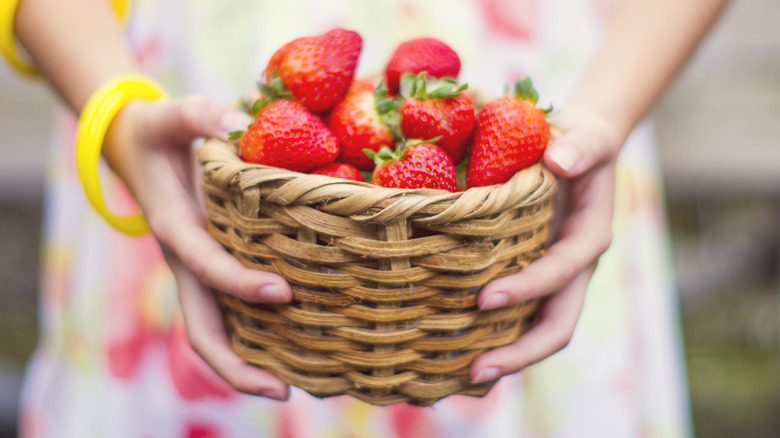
317 70
361 120
340 170
512 134
434 108
285 134
415 165
419 55
361 85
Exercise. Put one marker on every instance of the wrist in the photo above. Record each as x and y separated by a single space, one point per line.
97 115
121 146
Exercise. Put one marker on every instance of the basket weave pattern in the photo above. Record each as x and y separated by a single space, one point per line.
384 281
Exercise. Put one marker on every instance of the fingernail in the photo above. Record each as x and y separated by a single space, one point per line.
273 292
486 375
564 156
234 120
495 300
273 393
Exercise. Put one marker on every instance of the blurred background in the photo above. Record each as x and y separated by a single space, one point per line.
718 130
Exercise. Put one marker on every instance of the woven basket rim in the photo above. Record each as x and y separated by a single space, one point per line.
291 174
223 166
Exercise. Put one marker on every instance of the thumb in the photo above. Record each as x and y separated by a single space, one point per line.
182 120
580 149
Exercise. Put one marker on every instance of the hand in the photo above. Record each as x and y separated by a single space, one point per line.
150 147
584 157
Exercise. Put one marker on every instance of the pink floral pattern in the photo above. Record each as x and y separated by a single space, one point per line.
516 20
192 377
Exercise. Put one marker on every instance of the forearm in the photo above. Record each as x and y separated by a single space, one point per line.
77 44
647 42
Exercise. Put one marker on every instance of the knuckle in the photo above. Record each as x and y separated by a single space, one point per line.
230 375
561 340
196 102
195 343
241 384
159 228
601 151
198 269
606 144
566 274
191 109
162 226
605 241
235 376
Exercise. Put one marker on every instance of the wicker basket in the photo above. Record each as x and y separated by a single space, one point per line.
384 281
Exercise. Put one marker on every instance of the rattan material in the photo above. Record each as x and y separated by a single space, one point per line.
384 281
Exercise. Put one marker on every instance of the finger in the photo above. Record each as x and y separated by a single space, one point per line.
211 265
179 121
179 226
581 149
556 322
584 235
209 339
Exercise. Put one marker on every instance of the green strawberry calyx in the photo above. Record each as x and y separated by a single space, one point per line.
383 103
525 90
235 135
387 108
386 154
275 90
257 106
383 155
421 86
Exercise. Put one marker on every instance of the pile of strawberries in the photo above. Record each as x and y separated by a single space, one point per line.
414 128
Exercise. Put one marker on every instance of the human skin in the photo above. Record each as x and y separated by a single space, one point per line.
646 43
78 46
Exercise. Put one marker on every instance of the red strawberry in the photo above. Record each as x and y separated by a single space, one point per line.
416 165
419 55
361 85
287 135
360 121
318 70
436 108
340 170
512 134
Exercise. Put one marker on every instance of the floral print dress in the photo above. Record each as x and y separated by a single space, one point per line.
114 361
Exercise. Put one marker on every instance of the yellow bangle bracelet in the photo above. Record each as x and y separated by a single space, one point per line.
8 37
95 118
121 8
